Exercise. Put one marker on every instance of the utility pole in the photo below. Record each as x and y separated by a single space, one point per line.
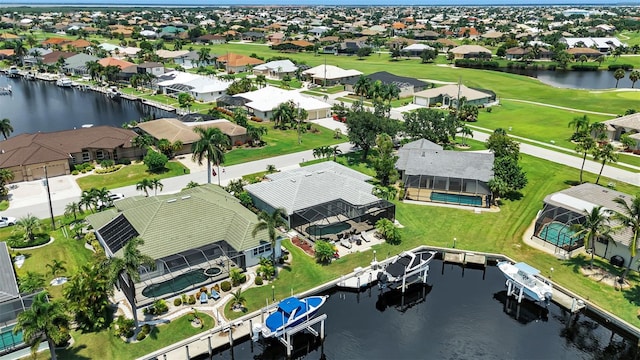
46 181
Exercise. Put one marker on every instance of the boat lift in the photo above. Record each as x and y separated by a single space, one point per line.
515 289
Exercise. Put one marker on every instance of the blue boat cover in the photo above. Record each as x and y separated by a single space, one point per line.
291 303
527 268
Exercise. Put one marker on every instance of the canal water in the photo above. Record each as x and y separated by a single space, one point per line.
578 79
42 106
459 315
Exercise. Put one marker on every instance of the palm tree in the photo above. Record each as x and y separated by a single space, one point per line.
605 153
634 76
261 80
88 201
629 218
585 146
55 267
255 134
5 128
204 55
596 226
142 141
270 222
238 299
127 265
6 176
384 192
579 124
145 185
362 86
87 295
31 282
618 74
44 319
73 208
28 224
211 146
334 151
19 50
95 69
282 115
156 184
466 132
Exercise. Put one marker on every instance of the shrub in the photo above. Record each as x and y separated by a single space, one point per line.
489 109
238 143
177 302
155 161
225 286
192 299
258 280
124 161
18 241
146 328
584 67
323 252
75 172
198 295
614 67
184 299
243 279
109 169
123 327
107 163
141 335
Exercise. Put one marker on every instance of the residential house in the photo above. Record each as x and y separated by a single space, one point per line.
55 56
604 45
322 196
201 88
628 124
127 69
407 86
77 64
202 232
430 173
153 68
447 96
415 50
590 53
171 54
54 41
276 69
6 53
26 155
215 39
77 45
262 102
470 52
518 53
236 63
330 75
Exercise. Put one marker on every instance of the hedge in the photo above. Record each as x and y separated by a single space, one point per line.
614 67
584 67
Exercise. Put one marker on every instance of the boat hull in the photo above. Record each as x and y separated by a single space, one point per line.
532 287
313 303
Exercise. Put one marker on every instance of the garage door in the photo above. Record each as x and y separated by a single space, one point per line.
420 101
52 170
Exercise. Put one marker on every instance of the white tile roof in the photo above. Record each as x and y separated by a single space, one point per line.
283 66
330 72
269 97
200 84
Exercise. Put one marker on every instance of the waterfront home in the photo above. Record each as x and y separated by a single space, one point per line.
26 155
55 56
590 53
470 52
603 44
6 53
197 229
564 208
77 64
201 88
262 102
236 63
330 75
52 41
407 86
276 69
415 50
447 96
430 173
628 124
127 69
171 54
153 68
322 200
175 130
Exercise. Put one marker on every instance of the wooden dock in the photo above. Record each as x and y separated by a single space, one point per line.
464 258
566 301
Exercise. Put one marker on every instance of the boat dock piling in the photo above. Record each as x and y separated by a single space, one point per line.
464 258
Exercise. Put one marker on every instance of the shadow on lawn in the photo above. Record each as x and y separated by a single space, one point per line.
576 263
633 295
72 353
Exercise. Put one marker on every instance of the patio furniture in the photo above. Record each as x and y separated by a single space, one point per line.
204 298
346 244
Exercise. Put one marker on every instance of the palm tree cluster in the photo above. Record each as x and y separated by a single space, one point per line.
147 184
326 152
289 115
590 138
376 90
270 222
93 199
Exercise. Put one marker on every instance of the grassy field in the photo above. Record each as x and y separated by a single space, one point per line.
129 175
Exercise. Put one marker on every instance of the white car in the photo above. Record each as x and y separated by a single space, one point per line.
7 221
112 197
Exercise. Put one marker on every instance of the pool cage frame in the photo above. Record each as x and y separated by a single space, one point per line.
426 184
340 211
551 213
218 254
9 311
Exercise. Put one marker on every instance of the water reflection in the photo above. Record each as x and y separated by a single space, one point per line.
524 312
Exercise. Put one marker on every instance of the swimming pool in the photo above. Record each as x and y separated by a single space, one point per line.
457 199
319 230
176 284
558 234
9 340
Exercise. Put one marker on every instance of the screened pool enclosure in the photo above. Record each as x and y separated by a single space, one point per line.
450 190
554 226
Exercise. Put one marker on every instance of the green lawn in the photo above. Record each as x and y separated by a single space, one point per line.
129 175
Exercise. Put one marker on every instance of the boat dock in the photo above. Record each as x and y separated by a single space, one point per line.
464 258
6 90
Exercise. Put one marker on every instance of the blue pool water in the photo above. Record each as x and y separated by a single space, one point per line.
176 284
8 339
336 228
558 234
456 199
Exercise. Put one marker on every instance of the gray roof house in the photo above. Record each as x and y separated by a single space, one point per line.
432 174
186 233
276 69
318 197
77 64
628 124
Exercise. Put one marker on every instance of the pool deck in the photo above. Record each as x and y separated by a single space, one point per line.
475 209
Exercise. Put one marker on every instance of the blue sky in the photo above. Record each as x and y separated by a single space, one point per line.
322 2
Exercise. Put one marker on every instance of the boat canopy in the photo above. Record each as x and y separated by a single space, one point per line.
527 268
289 304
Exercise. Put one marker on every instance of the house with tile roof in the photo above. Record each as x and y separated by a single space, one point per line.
276 69
236 63
195 236
470 51
407 86
26 155
628 124
262 102
448 96
330 75
202 88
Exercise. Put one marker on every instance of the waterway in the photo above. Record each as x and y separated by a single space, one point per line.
578 79
459 315
42 106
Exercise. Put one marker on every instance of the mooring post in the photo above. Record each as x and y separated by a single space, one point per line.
210 347
230 335
186 347
322 331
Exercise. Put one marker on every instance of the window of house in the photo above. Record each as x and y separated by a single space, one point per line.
100 155
86 156
261 249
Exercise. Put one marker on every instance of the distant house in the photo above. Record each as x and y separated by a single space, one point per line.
276 69
55 56
202 88
6 53
153 68
564 208
447 96
603 44
53 41
77 64
202 233
518 53
407 86
253 36
330 75
470 52
262 102
27 154
628 124
127 69
176 130
415 50
170 54
212 39
236 63
431 174
577 52
189 60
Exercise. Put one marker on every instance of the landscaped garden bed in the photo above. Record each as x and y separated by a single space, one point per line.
304 245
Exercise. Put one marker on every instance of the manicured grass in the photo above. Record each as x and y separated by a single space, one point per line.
104 345
4 205
250 178
129 175
281 142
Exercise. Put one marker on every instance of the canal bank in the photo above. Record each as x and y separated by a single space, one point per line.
464 295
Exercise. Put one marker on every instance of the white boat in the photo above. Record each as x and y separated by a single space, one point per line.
408 267
522 279
86 126
291 312
13 71
360 280
64 82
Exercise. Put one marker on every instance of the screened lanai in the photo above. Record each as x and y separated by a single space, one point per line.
331 218
553 225
472 192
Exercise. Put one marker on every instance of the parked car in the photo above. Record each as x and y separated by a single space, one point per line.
7 221
112 197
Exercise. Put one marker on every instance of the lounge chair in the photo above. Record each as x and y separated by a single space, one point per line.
204 298
364 237
345 243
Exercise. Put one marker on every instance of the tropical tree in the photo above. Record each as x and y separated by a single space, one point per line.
5 128
44 319
604 153
595 226
238 300
88 201
270 222
466 132
618 74
283 115
19 51
271 169
580 125
31 282
210 146
629 219
145 185
29 224
388 230
385 192
95 69
185 100
384 163
128 266
55 267
204 56
634 76
155 185
323 252
585 145
142 141
261 80
87 295
255 134
6 176
73 208
334 151
362 86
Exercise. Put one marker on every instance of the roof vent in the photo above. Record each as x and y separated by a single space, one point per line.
185 197
293 180
172 200
424 154
307 175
